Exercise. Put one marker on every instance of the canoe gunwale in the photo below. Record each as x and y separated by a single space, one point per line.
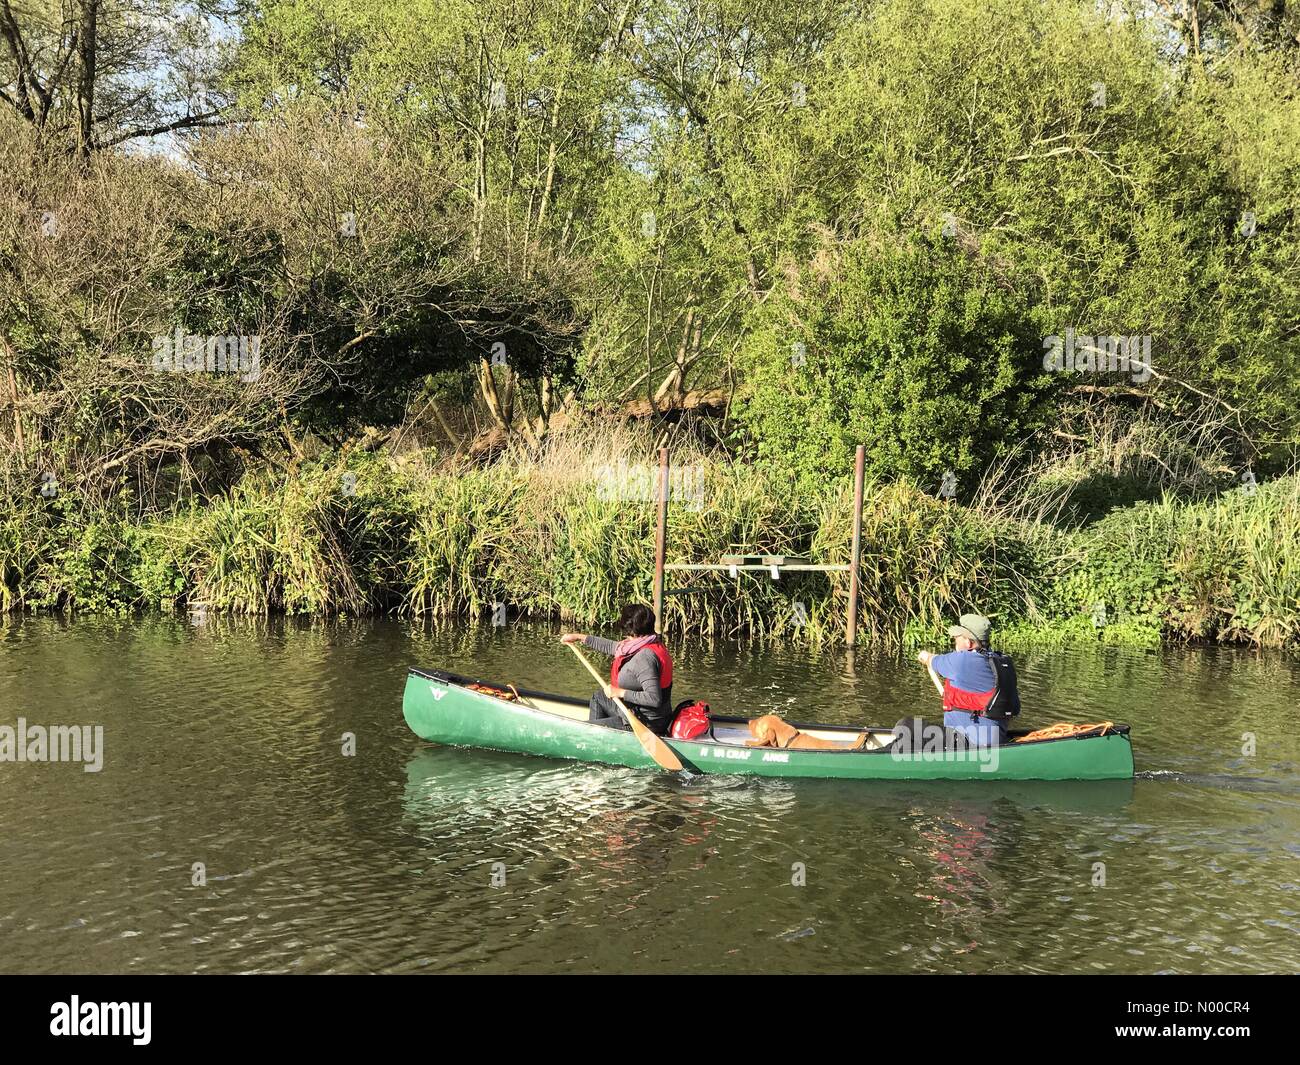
463 682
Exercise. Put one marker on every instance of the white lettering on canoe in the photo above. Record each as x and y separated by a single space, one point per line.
773 756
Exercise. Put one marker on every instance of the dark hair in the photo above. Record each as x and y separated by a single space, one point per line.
636 620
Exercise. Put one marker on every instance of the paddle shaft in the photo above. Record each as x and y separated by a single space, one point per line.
935 677
631 717
654 746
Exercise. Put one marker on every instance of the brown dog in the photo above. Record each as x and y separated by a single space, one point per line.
771 731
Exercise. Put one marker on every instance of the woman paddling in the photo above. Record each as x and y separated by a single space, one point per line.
642 673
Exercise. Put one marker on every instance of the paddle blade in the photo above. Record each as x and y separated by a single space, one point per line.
655 747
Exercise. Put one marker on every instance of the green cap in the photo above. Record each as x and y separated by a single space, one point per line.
973 627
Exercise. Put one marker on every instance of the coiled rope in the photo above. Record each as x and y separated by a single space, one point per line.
1063 729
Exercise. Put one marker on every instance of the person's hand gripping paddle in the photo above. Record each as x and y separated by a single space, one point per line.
652 744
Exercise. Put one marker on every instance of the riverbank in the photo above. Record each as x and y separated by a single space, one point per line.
567 533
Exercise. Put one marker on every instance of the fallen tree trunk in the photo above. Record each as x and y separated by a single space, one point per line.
703 399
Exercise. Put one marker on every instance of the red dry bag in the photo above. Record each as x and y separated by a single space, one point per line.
691 722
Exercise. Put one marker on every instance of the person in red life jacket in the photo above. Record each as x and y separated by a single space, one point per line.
979 693
641 675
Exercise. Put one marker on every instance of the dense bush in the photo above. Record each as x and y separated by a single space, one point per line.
916 351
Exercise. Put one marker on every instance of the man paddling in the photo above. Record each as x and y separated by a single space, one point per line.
979 691
641 675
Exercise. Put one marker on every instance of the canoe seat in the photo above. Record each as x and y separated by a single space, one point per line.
729 733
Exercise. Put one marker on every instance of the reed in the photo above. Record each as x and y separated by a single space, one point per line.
566 532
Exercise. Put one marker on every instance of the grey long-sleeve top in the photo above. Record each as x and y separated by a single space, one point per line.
639 675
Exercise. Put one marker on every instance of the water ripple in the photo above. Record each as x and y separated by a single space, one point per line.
228 831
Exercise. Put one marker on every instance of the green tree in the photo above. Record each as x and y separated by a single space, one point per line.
918 351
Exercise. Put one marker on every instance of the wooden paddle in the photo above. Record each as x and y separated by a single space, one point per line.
653 745
938 684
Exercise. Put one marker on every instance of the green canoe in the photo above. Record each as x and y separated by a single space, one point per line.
442 708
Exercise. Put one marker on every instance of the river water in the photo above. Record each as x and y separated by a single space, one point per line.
224 745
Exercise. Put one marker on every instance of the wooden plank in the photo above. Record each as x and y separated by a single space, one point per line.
855 552
829 567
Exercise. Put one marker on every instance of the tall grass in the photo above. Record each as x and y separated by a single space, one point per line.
1238 567
1224 569
567 532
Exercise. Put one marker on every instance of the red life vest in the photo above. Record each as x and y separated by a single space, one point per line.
665 664
976 703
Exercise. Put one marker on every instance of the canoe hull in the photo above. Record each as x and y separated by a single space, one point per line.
439 709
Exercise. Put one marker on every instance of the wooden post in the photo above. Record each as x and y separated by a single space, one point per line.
661 537
855 562
8 352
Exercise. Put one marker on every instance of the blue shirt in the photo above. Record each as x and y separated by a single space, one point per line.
968 670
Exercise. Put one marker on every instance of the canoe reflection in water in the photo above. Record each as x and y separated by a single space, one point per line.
618 818
621 822
624 861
